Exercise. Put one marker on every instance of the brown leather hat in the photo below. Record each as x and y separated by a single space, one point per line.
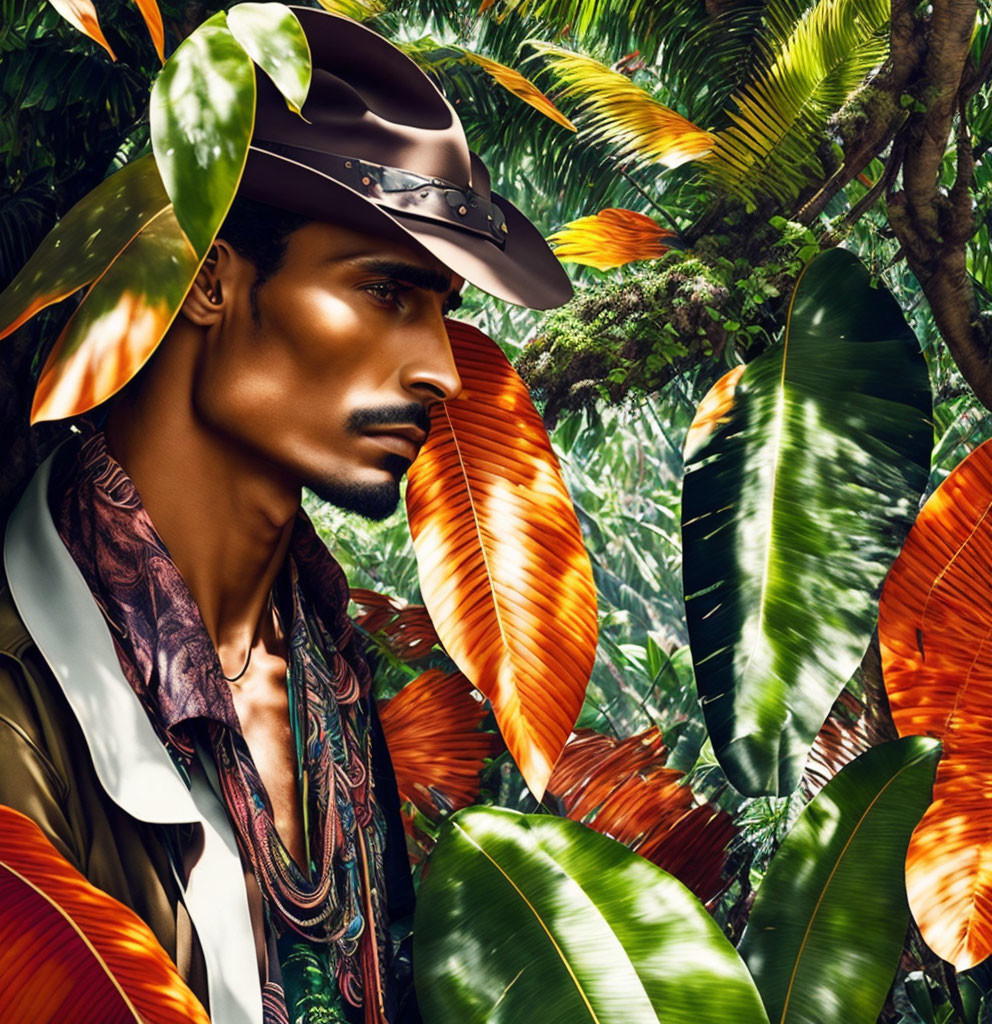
382 150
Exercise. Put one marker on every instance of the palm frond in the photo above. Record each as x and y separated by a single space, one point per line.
622 113
782 111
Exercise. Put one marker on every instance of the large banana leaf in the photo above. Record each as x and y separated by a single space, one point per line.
825 935
935 632
536 918
503 570
793 508
69 952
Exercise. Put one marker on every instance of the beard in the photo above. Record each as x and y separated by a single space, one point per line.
371 501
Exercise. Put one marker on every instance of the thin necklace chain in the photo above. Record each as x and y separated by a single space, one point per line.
251 646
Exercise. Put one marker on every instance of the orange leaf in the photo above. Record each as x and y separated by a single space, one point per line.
611 238
71 953
153 19
407 628
935 631
622 789
521 87
432 731
843 737
81 14
503 569
712 410
120 322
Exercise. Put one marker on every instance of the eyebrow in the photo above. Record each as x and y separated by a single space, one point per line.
408 273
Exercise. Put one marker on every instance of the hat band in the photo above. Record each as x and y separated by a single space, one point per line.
404 192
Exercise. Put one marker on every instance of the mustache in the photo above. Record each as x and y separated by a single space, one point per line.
388 416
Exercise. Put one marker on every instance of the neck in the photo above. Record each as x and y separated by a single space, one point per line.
225 515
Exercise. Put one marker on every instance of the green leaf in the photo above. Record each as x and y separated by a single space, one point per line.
120 322
793 509
202 113
84 242
535 918
825 935
272 36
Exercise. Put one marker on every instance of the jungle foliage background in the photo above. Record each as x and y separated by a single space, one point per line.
878 138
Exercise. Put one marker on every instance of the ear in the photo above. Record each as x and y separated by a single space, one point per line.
206 301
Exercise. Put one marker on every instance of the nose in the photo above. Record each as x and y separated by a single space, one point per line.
429 371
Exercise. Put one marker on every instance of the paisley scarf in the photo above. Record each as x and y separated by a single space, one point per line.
330 914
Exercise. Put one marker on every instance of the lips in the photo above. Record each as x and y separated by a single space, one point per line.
405 440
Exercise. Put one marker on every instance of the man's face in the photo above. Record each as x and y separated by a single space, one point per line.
331 383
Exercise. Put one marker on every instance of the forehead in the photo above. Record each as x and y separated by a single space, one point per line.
320 244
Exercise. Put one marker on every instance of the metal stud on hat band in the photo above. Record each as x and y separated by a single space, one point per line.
404 191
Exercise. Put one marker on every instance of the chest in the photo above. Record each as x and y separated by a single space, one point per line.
261 700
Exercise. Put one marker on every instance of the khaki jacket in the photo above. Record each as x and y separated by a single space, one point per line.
79 756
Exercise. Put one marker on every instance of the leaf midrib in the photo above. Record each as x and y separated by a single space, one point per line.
89 945
830 878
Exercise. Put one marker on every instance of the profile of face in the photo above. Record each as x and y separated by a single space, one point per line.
327 370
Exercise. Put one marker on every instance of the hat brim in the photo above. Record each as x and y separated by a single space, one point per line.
524 272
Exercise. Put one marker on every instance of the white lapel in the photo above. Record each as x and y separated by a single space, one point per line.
131 764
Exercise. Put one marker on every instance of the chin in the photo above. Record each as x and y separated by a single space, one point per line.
374 501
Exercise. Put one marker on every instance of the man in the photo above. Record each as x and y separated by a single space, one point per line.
184 706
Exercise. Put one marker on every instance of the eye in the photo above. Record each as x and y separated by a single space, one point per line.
386 293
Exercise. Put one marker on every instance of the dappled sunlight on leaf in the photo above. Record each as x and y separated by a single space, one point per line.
274 39
935 632
623 114
437 750
832 905
793 507
521 87
201 115
69 952
623 789
503 570
84 242
611 238
534 917
120 322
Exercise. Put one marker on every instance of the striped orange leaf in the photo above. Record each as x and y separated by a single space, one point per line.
521 87
845 735
406 628
623 789
622 113
935 631
437 750
503 570
611 238
69 952
81 14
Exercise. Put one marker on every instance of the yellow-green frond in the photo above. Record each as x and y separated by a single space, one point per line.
521 87
622 113
779 115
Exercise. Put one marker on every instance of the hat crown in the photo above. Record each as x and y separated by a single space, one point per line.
367 99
